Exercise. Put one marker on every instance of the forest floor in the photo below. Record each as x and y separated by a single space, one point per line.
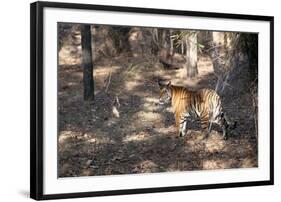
122 132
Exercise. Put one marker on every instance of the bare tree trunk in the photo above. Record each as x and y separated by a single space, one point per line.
165 49
171 44
155 41
182 48
252 52
225 57
191 55
156 34
87 62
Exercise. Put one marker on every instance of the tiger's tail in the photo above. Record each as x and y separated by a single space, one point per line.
227 126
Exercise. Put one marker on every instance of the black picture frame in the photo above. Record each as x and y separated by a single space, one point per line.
37 100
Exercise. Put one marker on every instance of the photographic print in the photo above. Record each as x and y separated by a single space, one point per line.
147 100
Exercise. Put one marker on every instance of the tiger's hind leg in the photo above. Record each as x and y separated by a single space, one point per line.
206 127
225 130
224 125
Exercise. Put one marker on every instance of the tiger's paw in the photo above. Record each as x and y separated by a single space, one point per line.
205 136
181 134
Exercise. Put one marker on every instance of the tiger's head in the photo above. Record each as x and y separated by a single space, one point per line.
165 97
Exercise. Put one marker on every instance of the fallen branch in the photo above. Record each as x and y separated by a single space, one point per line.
117 101
109 80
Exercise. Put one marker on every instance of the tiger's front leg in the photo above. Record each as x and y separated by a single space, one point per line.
182 120
179 125
182 129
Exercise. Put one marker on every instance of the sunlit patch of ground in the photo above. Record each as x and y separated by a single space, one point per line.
146 166
248 163
68 55
215 143
146 118
141 136
217 164
104 71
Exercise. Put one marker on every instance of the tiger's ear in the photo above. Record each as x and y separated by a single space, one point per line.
160 84
169 84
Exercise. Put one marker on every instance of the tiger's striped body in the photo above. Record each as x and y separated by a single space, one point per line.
204 104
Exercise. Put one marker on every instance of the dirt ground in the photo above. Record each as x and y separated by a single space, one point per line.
123 132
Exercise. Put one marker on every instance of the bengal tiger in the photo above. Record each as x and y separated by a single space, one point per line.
204 104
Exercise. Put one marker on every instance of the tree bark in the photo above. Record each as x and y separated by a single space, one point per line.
165 51
171 43
87 62
191 55
155 41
